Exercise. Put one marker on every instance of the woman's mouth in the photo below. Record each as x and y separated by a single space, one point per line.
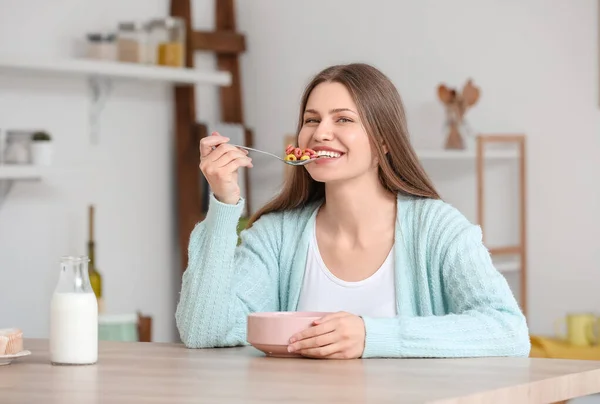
328 154
327 157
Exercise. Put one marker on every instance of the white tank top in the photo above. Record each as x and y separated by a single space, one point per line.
323 291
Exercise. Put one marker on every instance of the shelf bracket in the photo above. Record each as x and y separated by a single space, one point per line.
5 186
100 88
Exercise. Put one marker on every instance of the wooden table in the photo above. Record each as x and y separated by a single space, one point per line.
151 373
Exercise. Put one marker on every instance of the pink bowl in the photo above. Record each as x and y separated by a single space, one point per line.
271 332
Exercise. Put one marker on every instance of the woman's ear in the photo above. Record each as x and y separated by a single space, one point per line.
385 149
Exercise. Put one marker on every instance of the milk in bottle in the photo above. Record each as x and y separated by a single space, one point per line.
73 316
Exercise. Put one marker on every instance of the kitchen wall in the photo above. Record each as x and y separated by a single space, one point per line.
535 61
127 174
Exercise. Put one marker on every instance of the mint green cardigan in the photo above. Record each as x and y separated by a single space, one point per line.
451 301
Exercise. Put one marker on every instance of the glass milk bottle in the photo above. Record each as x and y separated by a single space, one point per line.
73 316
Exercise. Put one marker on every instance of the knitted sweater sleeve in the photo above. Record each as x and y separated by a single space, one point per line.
483 317
224 282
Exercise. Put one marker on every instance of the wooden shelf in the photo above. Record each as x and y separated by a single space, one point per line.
116 70
100 75
20 172
508 258
435 154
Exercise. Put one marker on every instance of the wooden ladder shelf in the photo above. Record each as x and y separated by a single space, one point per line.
228 45
519 249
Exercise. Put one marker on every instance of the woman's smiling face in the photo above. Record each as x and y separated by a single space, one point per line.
332 126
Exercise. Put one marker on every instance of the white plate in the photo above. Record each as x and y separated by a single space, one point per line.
7 359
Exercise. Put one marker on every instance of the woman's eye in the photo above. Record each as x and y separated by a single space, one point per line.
310 120
344 120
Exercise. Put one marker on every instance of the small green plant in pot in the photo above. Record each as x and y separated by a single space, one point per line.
41 148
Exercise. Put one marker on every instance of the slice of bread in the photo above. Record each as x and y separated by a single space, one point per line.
3 344
11 339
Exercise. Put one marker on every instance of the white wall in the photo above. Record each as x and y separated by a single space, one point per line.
536 62
127 175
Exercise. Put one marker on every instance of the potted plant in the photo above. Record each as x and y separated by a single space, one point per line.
41 148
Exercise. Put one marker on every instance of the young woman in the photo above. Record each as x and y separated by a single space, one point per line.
360 232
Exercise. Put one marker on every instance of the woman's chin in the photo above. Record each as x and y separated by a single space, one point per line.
327 169
328 176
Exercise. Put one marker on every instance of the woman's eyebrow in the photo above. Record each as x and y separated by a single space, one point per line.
331 111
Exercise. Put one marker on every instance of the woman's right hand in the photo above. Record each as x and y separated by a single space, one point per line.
220 166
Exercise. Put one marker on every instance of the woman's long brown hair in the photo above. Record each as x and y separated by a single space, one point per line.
382 113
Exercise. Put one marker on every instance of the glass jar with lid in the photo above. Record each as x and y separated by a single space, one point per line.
101 46
168 41
132 42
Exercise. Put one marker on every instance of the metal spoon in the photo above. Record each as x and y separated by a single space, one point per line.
292 163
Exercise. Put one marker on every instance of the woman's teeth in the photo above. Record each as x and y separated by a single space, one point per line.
329 154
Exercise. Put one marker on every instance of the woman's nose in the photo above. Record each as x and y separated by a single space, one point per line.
324 132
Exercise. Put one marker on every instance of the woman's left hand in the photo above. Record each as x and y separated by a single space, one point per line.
336 336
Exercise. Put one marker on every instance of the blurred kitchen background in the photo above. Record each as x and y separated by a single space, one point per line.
89 115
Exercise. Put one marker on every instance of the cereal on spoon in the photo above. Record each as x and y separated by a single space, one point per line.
295 153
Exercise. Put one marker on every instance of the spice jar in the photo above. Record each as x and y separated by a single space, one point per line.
101 46
168 41
132 42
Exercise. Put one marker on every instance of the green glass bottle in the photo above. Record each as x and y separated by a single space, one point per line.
95 277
